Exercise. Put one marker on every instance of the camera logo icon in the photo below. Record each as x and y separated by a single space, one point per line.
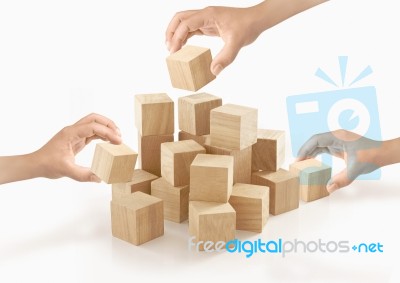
352 109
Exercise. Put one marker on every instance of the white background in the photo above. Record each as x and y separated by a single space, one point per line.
61 60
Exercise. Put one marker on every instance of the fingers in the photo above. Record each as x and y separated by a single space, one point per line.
310 147
173 25
339 181
98 119
186 24
225 57
94 130
81 174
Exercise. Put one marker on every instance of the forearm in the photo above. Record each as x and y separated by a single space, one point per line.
271 12
18 168
390 152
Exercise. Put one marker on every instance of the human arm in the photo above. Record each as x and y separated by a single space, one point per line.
237 27
56 158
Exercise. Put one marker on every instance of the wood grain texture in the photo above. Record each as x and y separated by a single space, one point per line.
269 150
194 112
176 199
154 114
233 126
210 221
251 203
141 182
241 161
189 68
150 152
211 178
176 158
138 218
114 163
283 189
313 176
201 140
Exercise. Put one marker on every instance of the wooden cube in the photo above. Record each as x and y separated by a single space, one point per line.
150 152
176 199
210 221
283 189
176 158
154 114
211 178
141 182
233 126
269 150
313 176
114 163
241 161
194 112
251 203
201 140
138 218
189 68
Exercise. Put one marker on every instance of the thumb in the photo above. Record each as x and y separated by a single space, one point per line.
225 57
338 181
82 174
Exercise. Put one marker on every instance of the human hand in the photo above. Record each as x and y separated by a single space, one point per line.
237 27
56 159
362 155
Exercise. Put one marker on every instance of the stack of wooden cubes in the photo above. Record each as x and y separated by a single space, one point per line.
222 174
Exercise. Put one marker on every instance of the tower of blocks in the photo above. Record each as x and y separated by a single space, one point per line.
223 173
211 181
283 189
189 68
173 186
154 118
313 177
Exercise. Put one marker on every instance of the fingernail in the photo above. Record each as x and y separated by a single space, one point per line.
217 69
168 45
332 187
118 131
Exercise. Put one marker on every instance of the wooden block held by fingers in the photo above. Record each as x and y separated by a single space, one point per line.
313 177
138 218
141 182
233 126
201 140
211 178
194 112
241 161
210 224
154 114
189 68
283 189
114 163
176 158
269 151
251 203
176 199
150 152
